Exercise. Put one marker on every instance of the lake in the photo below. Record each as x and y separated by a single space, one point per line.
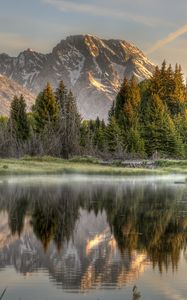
90 237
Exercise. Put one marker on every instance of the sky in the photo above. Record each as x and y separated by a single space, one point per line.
157 27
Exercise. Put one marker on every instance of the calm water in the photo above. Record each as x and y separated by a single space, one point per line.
93 238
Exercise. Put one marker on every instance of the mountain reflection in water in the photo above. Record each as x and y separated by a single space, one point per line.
92 235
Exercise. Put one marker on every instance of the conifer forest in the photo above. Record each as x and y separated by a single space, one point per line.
146 120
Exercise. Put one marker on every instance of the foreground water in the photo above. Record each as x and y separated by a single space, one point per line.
93 238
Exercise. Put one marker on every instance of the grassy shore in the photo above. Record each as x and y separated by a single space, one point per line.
49 165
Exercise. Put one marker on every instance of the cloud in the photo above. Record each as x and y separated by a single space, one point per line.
98 10
171 37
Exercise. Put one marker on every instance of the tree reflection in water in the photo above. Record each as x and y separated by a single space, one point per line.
144 217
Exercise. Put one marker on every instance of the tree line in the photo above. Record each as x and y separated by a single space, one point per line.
147 119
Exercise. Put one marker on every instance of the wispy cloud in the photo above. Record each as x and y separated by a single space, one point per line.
98 10
168 39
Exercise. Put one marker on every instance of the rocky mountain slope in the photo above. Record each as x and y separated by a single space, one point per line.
92 67
10 88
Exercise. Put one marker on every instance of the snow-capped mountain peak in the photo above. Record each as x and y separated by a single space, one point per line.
92 67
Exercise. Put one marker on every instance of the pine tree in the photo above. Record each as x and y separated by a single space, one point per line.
111 112
127 113
135 142
46 109
18 119
121 99
181 127
132 105
85 135
61 96
114 136
155 86
72 124
99 135
179 93
169 86
69 123
159 131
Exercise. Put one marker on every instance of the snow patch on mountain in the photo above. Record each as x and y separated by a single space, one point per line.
91 67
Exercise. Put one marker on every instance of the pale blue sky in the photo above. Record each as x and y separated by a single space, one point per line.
40 24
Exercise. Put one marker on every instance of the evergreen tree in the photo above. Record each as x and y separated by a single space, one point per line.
181 127
86 137
132 105
135 142
69 123
155 82
72 123
169 86
111 111
61 96
127 113
99 135
179 95
121 99
159 131
18 119
114 136
46 109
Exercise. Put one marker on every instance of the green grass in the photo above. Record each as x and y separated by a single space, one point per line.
172 166
171 163
47 165
86 165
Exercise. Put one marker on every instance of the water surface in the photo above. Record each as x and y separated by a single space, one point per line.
78 237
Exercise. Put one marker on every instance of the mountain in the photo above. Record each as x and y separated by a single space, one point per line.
24 68
92 67
10 88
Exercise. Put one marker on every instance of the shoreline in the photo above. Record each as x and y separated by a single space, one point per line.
56 166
